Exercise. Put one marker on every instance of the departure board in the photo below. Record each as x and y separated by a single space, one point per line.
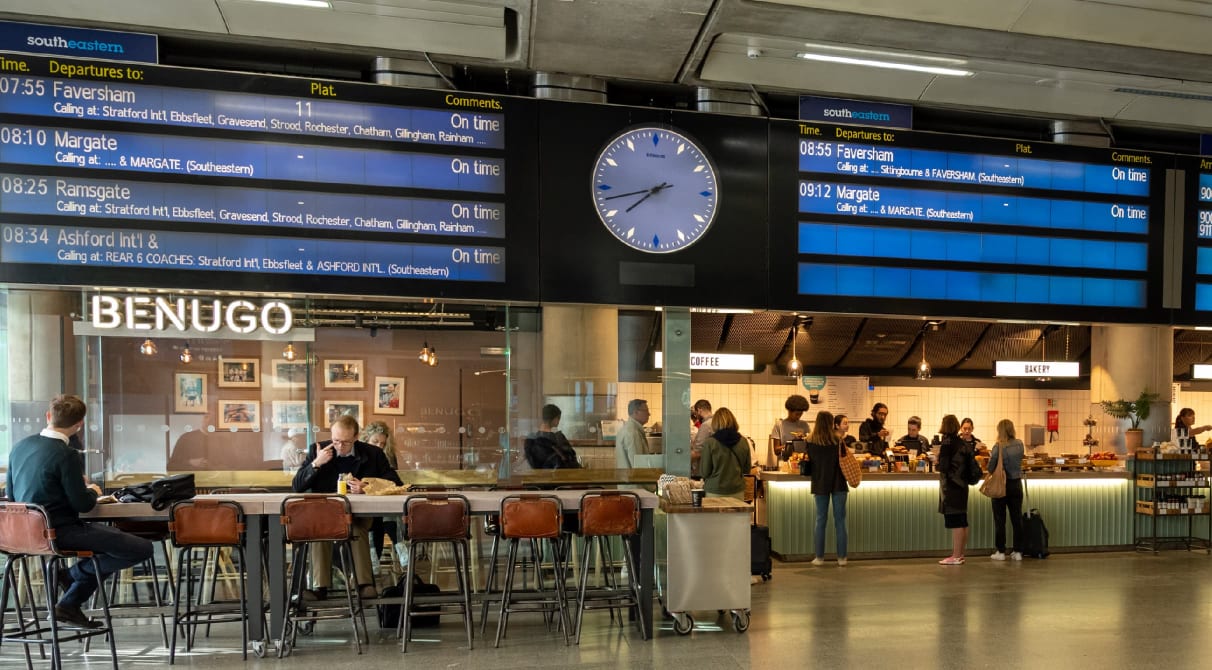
1197 262
114 173
904 222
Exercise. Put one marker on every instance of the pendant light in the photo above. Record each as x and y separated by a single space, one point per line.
186 355
428 355
148 348
289 352
794 367
924 371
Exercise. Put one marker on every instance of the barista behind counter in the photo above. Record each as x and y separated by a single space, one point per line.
788 435
914 440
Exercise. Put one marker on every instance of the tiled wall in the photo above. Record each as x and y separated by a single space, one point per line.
758 406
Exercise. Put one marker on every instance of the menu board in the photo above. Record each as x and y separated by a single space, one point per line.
110 170
902 222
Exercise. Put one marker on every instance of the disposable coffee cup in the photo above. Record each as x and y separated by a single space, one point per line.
814 396
696 497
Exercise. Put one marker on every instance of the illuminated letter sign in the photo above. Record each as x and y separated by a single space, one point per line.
161 314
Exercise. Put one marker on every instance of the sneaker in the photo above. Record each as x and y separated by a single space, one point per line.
818 561
368 591
841 562
311 596
998 556
952 560
73 617
1016 556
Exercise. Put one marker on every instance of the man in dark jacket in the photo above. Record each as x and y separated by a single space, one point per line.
872 431
343 457
44 470
548 449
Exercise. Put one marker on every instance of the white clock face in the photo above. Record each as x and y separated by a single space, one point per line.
655 189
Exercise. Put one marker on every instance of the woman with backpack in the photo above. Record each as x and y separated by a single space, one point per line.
828 486
953 457
725 458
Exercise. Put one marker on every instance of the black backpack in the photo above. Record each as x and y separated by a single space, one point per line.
972 469
389 615
1035 535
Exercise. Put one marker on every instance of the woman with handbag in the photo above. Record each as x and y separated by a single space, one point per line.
725 460
953 487
1008 453
828 486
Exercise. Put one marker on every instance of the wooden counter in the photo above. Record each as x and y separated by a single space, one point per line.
710 506
277 480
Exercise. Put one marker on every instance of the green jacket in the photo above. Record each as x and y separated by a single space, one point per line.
723 467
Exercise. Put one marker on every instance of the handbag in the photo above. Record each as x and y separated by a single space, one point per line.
849 466
994 485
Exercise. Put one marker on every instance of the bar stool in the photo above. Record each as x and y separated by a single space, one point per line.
436 519
26 533
157 533
535 518
320 521
603 515
215 561
492 528
203 525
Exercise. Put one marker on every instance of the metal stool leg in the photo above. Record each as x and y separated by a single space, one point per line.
503 612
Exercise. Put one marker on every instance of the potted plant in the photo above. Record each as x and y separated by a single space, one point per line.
1134 411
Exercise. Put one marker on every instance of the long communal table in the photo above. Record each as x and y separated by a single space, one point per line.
262 511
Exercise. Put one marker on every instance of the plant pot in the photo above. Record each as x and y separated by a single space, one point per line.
1133 439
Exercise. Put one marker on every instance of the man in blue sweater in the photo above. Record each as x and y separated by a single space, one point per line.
44 470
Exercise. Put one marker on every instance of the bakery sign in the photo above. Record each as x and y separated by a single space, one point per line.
1036 369
189 315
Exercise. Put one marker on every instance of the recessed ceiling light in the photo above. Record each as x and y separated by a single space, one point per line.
889 65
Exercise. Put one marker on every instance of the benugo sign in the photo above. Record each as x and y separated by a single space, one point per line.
185 315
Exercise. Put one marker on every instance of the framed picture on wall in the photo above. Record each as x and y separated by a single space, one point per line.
189 393
389 395
289 414
239 414
333 409
342 374
239 373
289 374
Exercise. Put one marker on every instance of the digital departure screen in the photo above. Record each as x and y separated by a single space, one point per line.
117 168
920 223
1199 239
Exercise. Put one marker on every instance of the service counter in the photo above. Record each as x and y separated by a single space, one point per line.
896 514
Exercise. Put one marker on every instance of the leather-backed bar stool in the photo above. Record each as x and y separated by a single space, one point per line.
319 522
216 561
492 528
437 519
26 534
155 532
536 519
200 526
603 515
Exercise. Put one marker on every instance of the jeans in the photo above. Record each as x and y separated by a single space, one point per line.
839 522
1013 500
114 550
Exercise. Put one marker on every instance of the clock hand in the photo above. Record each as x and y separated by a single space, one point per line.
624 195
652 191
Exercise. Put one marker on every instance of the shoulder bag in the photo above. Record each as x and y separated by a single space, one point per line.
994 485
849 466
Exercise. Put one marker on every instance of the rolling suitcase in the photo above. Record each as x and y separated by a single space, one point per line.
760 562
1035 535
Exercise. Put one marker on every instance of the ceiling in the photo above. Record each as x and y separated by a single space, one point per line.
1131 64
1139 62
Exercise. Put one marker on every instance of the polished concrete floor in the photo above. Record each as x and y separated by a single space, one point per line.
1111 610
